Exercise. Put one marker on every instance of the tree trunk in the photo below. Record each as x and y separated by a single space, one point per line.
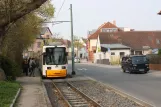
2 32
2 75
25 9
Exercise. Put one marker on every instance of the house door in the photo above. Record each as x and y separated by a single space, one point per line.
122 54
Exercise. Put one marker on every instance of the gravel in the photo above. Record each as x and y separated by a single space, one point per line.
102 95
55 100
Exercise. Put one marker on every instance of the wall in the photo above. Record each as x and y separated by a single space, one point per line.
92 43
83 51
117 52
107 55
35 47
145 52
47 34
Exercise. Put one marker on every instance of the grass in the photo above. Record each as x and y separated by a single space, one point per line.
8 90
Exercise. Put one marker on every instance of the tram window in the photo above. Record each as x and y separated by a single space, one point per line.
56 56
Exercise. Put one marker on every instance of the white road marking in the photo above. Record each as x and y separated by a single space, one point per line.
80 69
84 69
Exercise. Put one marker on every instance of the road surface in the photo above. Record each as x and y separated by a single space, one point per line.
146 87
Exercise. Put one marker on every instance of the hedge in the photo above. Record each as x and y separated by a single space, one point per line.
10 67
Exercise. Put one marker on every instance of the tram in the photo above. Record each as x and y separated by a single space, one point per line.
54 61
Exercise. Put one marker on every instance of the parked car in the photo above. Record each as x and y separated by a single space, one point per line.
77 60
135 63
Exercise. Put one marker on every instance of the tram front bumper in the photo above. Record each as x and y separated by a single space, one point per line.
56 73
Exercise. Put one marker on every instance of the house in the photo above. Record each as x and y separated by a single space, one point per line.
126 43
92 37
108 48
45 34
82 53
140 42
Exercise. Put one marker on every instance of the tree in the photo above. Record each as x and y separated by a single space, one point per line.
23 33
159 51
12 10
77 44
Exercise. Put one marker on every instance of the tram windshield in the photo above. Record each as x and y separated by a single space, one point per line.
55 56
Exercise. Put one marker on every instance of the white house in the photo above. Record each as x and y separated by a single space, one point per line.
108 49
82 53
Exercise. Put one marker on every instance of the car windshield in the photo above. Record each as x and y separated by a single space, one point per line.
139 60
55 56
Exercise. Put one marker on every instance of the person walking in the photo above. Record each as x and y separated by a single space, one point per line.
25 67
32 67
29 70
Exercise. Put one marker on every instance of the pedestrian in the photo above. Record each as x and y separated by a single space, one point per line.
32 67
25 67
29 70
37 63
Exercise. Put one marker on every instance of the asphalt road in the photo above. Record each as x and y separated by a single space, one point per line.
146 87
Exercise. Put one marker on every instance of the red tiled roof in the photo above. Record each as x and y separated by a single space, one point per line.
105 25
135 39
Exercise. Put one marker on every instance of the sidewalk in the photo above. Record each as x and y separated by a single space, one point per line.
32 93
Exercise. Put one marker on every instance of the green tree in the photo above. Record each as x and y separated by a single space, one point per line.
12 10
159 52
23 32
77 44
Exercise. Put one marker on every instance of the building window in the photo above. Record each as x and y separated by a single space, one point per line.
38 44
157 41
112 53
122 54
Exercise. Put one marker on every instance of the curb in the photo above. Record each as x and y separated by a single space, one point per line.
123 94
48 103
14 100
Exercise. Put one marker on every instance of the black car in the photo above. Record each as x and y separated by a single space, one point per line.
139 64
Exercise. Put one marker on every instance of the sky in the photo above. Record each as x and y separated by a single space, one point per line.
90 14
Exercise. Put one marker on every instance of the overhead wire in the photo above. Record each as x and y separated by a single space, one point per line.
60 9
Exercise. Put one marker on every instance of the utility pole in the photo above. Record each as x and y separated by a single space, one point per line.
72 44
71 16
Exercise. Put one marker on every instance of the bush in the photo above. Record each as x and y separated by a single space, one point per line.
10 68
154 59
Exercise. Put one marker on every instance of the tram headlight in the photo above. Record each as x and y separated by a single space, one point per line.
48 67
63 67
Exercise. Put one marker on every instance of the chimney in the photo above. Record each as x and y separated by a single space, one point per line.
114 22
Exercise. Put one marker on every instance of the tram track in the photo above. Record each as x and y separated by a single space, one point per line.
72 97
